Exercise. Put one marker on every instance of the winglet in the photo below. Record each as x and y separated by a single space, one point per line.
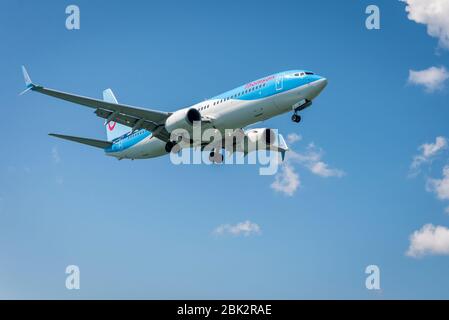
283 148
27 78
30 85
283 154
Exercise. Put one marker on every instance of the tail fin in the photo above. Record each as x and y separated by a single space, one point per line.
113 129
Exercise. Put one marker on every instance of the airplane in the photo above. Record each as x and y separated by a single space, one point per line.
140 133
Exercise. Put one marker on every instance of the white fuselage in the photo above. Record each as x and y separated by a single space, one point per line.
234 112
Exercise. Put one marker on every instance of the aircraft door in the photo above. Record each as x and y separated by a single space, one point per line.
279 82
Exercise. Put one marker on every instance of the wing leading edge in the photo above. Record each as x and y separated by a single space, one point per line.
134 117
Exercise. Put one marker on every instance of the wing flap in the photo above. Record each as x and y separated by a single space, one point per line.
158 131
90 142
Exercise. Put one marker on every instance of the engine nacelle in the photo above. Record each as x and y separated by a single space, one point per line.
252 140
182 119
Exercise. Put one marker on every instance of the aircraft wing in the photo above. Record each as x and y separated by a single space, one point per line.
134 117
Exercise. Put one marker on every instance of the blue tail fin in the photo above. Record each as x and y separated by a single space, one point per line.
113 129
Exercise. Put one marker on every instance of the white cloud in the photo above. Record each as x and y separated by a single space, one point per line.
434 14
430 149
287 180
55 155
428 152
432 78
245 228
293 137
312 160
429 240
322 169
440 186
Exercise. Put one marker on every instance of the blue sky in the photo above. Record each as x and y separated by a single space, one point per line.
145 229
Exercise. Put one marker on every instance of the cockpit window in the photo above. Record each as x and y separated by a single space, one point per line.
309 73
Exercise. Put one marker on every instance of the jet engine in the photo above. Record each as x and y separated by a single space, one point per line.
262 135
182 119
252 140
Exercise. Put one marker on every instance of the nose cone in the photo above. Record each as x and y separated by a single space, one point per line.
315 87
321 83
318 84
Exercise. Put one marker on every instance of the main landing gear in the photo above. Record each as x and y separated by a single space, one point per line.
172 146
169 146
216 157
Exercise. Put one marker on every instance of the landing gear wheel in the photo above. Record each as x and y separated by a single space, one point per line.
176 148
216 157
169 146
296 118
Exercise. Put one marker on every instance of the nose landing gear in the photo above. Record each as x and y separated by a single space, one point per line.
301 105
296 118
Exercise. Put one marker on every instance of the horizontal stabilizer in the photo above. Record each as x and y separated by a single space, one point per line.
90 142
